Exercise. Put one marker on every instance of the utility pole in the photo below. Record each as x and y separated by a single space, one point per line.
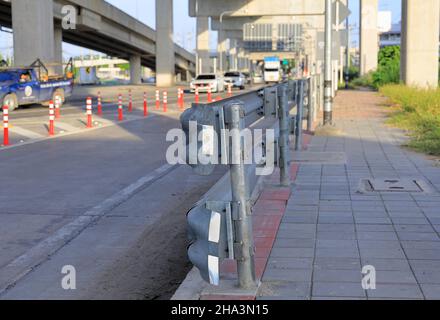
328 99
347 55
222 39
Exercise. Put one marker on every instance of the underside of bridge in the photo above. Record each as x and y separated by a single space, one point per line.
37 31
420 31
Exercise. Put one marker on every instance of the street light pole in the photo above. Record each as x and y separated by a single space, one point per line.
347 56
221 38
328 99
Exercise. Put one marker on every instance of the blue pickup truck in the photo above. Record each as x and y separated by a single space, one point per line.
33 85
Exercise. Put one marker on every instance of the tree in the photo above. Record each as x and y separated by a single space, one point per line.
388 70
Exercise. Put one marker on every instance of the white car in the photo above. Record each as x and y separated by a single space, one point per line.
206 80
235 79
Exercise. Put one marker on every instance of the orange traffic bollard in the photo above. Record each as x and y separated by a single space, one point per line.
157 99
145 105
89 113
57 107
5 125
51 119
99 104
165 101
197 96
120 109
130 101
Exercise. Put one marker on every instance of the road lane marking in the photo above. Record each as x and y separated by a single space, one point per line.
40 253
67 127
25 133
42 138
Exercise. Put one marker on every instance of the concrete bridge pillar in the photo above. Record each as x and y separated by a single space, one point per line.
221 49
58 44
369 38
165 56
58 49
233 54
243 57
203 59
420 38
33 25
135 69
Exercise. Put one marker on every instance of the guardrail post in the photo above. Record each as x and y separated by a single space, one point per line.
244 246
311 113
299 116
283 112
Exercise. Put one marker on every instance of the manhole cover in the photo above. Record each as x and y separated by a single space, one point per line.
395 185
392 185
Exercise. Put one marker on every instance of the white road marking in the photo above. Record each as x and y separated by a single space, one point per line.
42 138
25 133
37 255
67 127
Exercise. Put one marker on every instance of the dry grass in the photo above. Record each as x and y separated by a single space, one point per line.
418 111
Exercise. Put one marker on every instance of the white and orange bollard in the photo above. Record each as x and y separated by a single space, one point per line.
180 98
51 119
57 107
157 99
229 90
209 94
145 105
89 113
99 104
130 101
165 101
5 125
197 95
120 109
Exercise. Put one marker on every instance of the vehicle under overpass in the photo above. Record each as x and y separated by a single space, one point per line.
38 33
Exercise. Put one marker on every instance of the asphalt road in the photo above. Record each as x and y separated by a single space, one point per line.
104 201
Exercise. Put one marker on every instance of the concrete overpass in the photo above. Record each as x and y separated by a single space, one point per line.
420 29
38 32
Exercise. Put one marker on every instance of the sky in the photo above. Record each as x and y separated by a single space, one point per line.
185 27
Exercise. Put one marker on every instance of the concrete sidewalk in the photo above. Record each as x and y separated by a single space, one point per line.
333 226
313 241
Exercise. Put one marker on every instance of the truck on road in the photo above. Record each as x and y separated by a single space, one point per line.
33 85
272 69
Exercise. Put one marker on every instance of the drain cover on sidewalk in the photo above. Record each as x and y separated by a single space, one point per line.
395 185
392 185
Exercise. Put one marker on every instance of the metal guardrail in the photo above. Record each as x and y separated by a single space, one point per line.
220 224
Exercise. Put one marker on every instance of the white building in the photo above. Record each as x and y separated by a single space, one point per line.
392 37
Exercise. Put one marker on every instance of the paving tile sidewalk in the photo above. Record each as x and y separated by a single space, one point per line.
330 231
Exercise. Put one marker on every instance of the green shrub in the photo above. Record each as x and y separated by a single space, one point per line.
388 70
